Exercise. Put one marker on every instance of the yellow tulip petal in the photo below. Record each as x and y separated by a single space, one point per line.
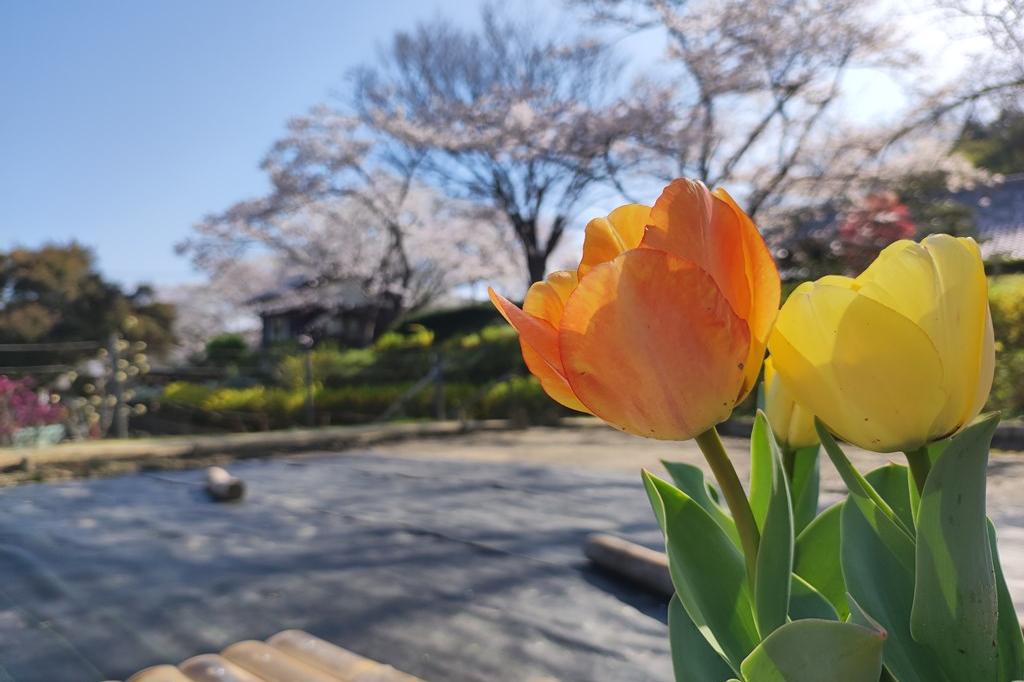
791 423
986 372
651 346
872 375
710 229
539 342
940 285
606 238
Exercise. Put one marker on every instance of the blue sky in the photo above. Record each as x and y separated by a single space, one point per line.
123 122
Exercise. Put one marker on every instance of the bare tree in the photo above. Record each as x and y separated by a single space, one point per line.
756 83
507 117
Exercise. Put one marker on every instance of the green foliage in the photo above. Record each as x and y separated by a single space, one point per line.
331 365
954 607
926 195
1010 638
885 577
54 293
1006 300
416 336
227 350
519 398
998 145
775 555
693 657
483 356
690 480
447 324
793 653
816 558
711 583
806 481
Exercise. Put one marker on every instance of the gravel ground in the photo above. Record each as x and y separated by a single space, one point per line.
455 559
599 448
452 572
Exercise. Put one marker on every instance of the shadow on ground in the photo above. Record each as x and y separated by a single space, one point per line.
452 571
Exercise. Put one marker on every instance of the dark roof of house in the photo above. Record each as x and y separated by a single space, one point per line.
998 209
302 293
999 216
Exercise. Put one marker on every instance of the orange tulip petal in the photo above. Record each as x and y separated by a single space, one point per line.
553 383
546 299
539 342
651 346
711 230
606 238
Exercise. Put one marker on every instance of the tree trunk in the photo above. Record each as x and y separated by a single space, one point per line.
537 265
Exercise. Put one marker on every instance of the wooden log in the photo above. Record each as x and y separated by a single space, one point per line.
272 664
215 668
636 563
222 486
339 662
159 673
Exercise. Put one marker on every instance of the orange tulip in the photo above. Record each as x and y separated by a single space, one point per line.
662 328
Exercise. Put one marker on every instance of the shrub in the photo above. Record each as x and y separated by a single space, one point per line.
447 324
262 407
416 336
484 356
226 350
1006 299
329 363
186 393
520 398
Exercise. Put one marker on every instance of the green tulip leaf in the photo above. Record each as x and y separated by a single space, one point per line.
1009 636
775 554
878 565
816 558
894 483
690 480
817 651
692 657
761 442
807 602
955 598
707 570
654 496
805 487
862 493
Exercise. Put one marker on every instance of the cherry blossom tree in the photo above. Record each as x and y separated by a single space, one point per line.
756 84
220 304
345 208
522 121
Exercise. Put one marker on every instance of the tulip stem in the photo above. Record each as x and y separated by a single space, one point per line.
920 465
714 452
789 462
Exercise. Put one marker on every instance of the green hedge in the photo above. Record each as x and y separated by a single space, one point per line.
480 357
1006 299
262 407
447 324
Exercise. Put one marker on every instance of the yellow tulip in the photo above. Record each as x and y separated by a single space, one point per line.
792 425
662 328
898 357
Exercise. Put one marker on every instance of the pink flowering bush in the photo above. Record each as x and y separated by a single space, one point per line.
21 406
